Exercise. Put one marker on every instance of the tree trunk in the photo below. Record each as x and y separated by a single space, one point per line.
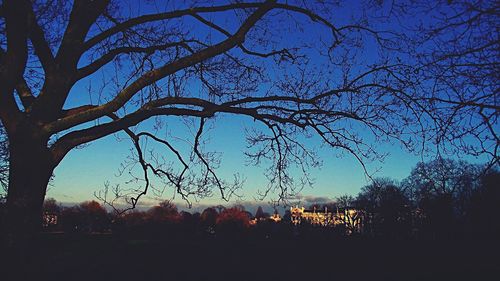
30 169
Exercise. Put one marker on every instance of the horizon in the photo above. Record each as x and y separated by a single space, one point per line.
300 199
86 170
249 140
78 176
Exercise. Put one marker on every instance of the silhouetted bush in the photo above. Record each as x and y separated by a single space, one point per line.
232 222
87 217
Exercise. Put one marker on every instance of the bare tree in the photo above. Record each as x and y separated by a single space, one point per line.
197 62
443 183
344 201
455 48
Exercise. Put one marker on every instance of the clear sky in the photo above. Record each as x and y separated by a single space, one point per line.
84 171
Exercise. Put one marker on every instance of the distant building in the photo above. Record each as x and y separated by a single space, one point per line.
49 219
350 218
315 217
275 217
253 221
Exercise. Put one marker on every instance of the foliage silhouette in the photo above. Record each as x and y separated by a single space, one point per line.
433 88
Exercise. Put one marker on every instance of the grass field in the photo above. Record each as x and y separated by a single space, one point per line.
104 257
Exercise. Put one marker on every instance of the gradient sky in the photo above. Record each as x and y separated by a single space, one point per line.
85 170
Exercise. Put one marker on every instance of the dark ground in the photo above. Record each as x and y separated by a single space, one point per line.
104 257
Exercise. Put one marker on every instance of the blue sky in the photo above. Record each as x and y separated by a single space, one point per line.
84 171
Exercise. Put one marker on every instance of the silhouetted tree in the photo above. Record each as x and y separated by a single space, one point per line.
166 211
259 214
189 223
51 213
51 206
441 190
249 66
72 220
87 217
186 216
441 176
232 221
344 201
133 223
95 216
387 207
208 219
209 216
485 204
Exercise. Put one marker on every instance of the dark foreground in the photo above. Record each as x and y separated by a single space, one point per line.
104 257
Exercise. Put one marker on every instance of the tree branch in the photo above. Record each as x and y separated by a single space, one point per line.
25 94
42 49
109 56
159 73
164 16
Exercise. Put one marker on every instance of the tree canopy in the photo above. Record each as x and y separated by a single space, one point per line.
297 69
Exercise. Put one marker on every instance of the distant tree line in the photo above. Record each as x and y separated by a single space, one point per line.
440 199
161 221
